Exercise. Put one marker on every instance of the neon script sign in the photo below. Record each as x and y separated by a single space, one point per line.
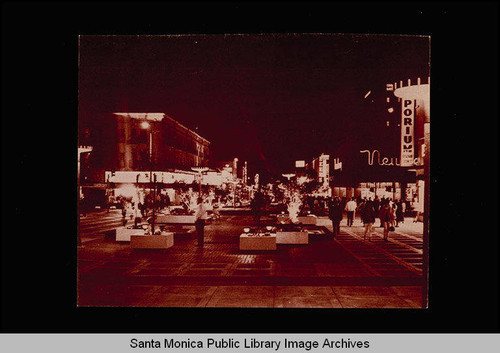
385 161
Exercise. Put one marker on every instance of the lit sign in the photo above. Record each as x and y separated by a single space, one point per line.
407 140
143 177
386 161
337 164
300 164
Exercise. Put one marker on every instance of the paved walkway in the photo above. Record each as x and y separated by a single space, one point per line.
347 272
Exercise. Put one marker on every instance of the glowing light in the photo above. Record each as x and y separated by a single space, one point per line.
294 207
246 230
145 125
141 116
390 110
126 190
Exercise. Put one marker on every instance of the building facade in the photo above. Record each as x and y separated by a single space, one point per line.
171 144
122 144
321 168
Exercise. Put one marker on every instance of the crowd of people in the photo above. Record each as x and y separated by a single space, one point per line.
390 213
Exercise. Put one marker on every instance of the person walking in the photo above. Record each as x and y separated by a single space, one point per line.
200 217
124 213
382 202
367 212
376 204
335 214
387 217
215 210
83 204
350 208
399 212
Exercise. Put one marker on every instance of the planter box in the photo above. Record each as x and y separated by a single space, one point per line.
310 219
123 234
175 219
292 237
257 243
163 241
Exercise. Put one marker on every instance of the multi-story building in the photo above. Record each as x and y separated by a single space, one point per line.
172 145
321 168
126 143
122 142
376 164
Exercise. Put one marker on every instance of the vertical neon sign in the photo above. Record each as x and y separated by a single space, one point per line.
407 132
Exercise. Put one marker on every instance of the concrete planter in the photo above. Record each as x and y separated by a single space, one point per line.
257 243
124 234
292 237
163 241
175 219
310 219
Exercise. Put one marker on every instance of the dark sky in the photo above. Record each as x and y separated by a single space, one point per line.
268 99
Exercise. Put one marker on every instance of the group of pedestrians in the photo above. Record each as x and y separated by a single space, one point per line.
390 213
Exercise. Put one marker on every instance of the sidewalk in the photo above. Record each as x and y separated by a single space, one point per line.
324 273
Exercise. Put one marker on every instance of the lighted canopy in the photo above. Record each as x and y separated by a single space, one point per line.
418 92
143 116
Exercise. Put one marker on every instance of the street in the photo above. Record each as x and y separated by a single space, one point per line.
347 272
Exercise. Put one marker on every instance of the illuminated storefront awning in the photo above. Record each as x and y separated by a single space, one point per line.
186 177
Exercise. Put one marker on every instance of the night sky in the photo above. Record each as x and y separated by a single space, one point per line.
268 99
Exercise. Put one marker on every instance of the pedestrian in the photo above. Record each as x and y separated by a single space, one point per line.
124 213
368 217
215 210
382 202
83 204
387 217
399 212
335 214
137 218
350 208
200 217
316 205
393 210
256 205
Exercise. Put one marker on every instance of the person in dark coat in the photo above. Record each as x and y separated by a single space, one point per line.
335 214
399 213
376 205
367 212
387 217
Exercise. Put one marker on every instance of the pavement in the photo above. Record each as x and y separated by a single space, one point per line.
345 272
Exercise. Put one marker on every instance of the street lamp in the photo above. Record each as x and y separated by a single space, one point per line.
200 170
147 126
288 176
